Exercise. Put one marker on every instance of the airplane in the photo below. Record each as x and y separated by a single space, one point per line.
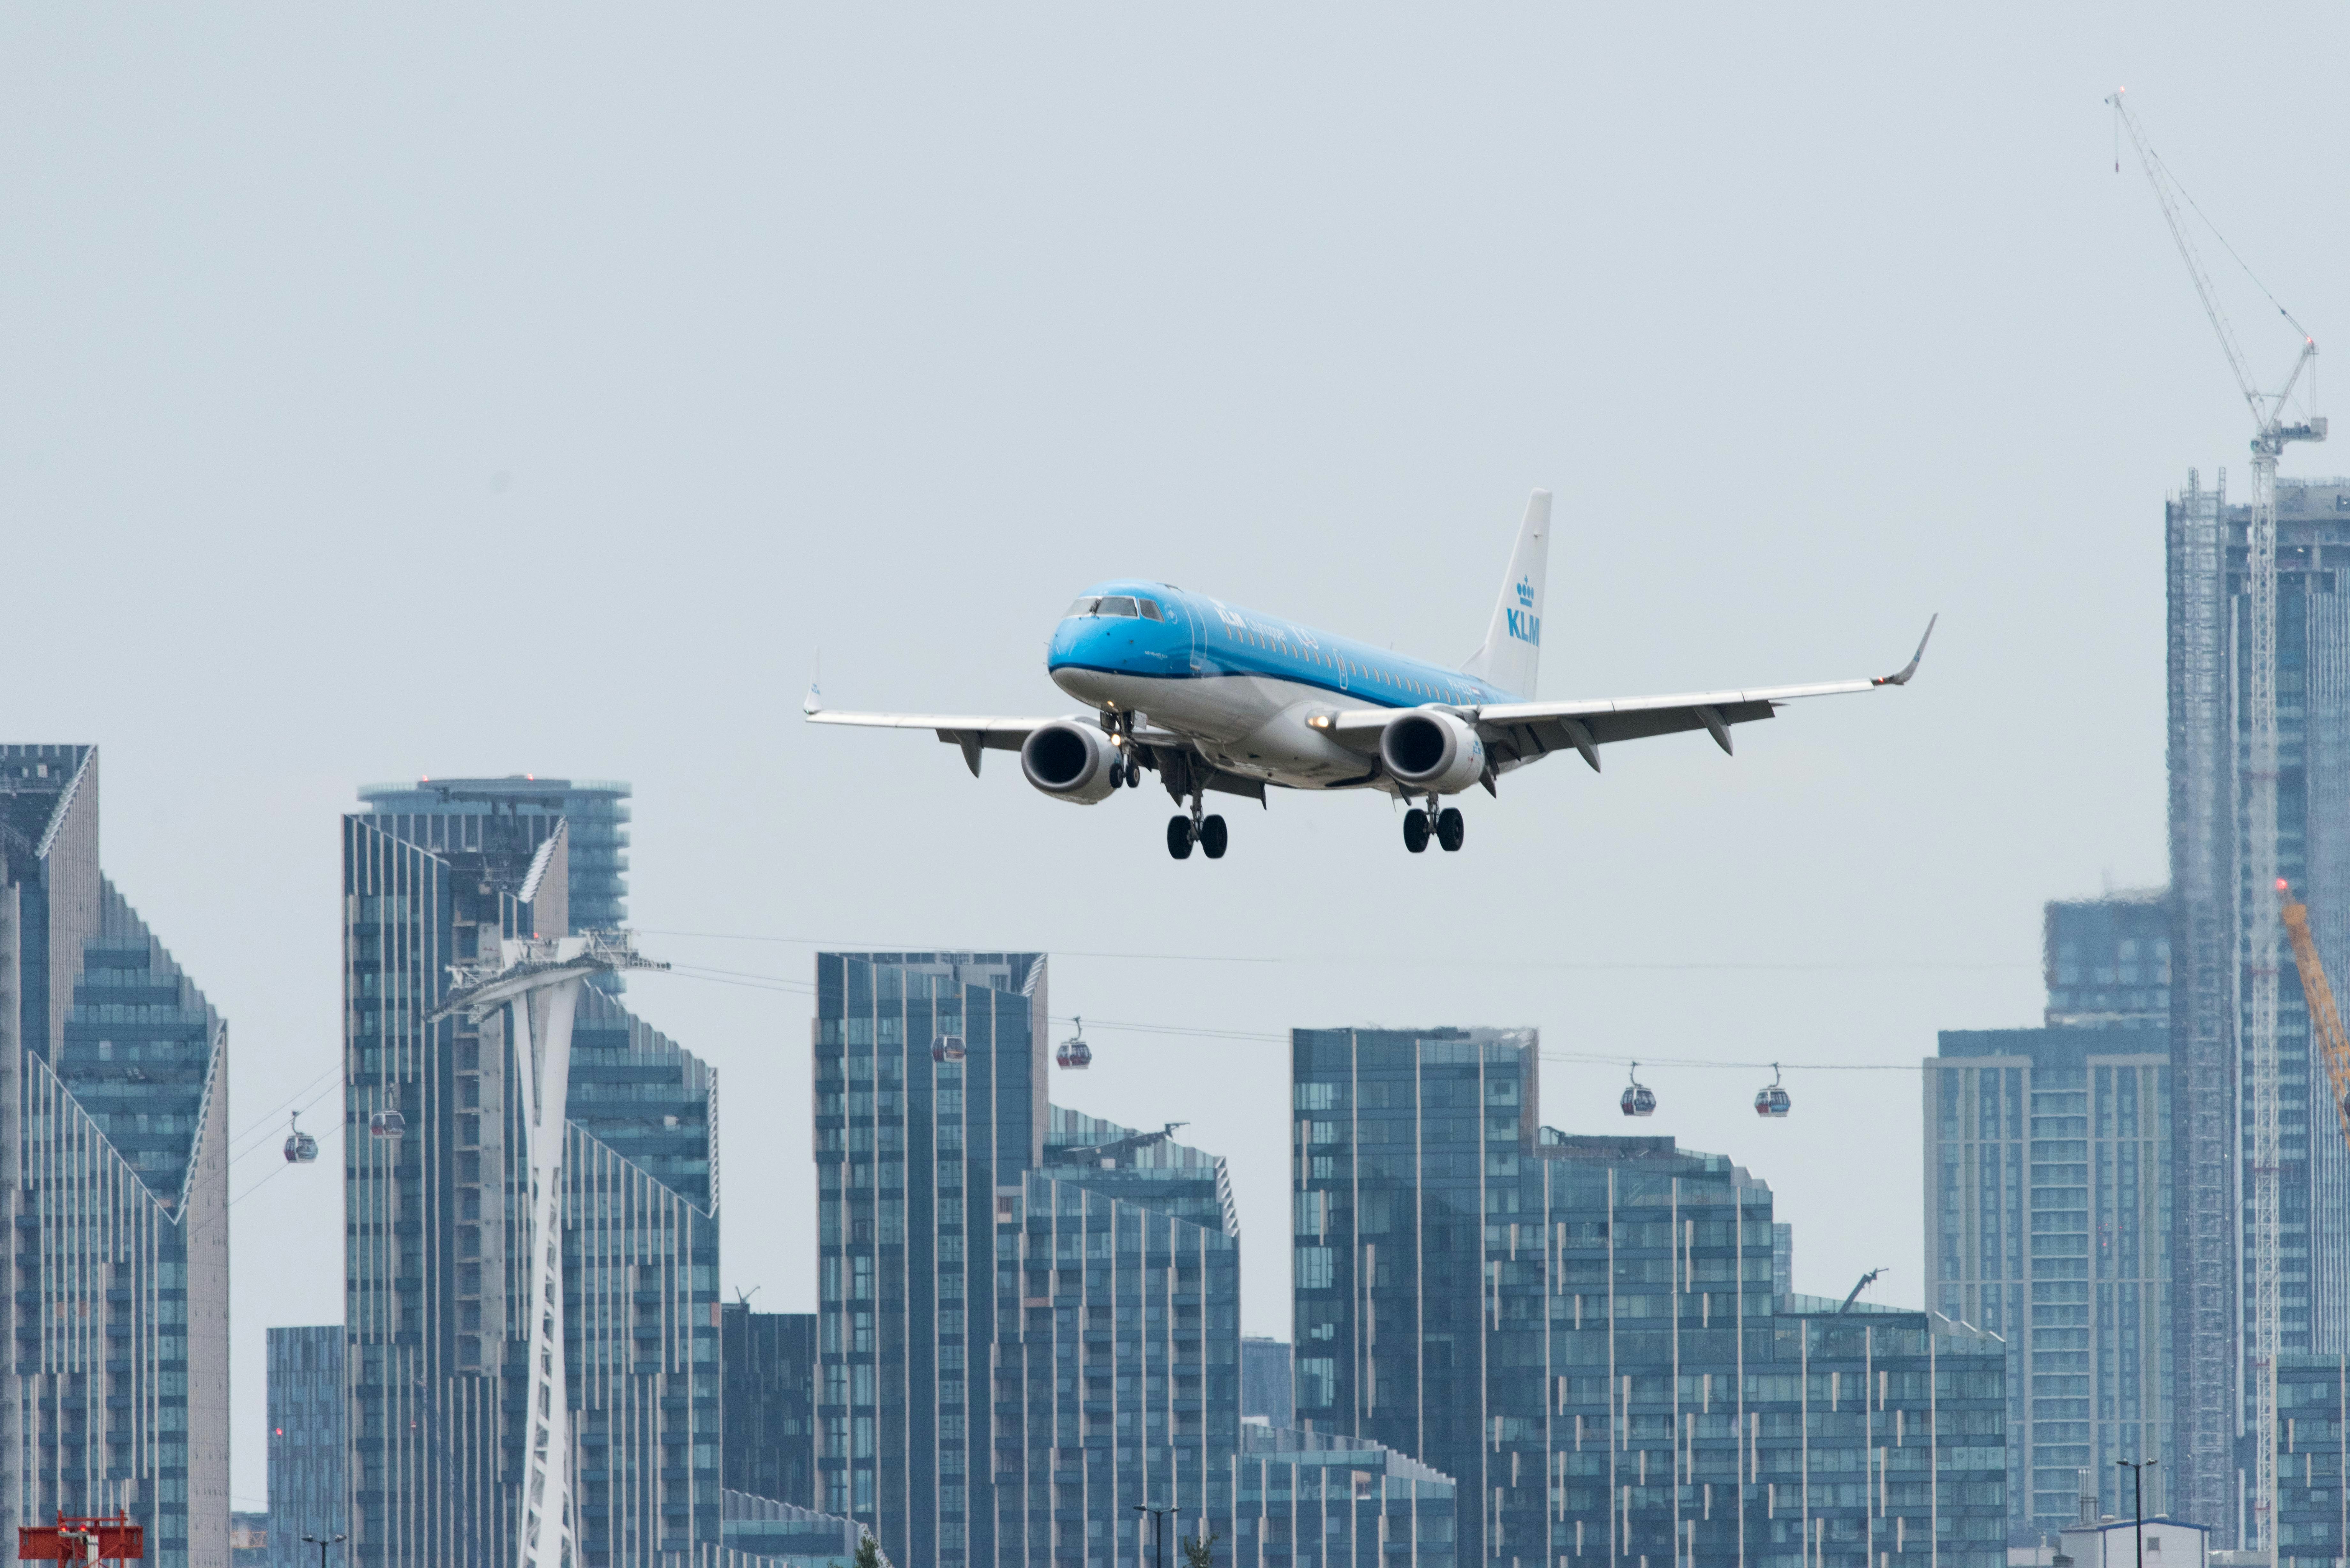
1216 698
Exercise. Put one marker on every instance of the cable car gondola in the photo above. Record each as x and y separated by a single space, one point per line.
1075 1055
1638 1099
301 1148
388 1123
1770 1100
947 1048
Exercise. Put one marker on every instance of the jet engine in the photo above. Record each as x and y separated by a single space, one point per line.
1433 753
1069 760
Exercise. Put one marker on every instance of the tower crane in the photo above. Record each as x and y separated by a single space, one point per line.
2325 1019
2270 434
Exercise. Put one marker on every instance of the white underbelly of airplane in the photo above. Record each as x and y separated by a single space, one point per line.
1251 725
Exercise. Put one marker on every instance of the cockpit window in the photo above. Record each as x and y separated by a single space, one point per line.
1117 605
1149 609
1082 606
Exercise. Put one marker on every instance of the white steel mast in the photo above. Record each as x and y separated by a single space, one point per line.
2258 898
541 978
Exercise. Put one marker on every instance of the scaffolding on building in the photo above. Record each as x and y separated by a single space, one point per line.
2255 893
2203 1020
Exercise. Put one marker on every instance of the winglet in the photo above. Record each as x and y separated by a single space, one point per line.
1901 676
814 701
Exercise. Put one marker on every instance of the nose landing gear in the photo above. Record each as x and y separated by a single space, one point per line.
1449 829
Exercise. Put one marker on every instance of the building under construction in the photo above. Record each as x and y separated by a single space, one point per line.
2223 909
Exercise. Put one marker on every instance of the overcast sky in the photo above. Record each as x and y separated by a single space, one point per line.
448 391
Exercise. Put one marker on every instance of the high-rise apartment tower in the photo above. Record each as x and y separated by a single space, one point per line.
2214 903
114 1177
436 1205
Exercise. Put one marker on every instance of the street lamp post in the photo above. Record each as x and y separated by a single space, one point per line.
1157 1531
2137 1468
322 1543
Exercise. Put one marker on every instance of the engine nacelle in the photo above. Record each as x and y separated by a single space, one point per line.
1434 753
1069 760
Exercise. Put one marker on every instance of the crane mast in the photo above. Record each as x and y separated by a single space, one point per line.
2258 891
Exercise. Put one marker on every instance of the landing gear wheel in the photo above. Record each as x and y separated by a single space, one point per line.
1134 776
1179 837
1212 837
1117 774
1415 830
1451 829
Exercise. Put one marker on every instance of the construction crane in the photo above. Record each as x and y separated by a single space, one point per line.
1866 1280
2270 434
2325 1019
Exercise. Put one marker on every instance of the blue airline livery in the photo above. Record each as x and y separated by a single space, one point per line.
1211 697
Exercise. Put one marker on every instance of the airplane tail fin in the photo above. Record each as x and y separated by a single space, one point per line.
1511 655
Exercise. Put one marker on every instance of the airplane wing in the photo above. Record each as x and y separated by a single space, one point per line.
1532 730
973 733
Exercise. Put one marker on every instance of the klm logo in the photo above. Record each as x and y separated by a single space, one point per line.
1524 626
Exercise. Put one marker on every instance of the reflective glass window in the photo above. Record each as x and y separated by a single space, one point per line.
1082 606
1149 609
1118 605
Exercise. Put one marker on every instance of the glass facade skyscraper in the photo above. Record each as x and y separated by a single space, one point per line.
113 1137
1582 1331
929 1113
435 1205
1029 1317
2215 902
767 1364
307 1441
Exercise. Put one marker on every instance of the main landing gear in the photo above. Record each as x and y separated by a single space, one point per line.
1207 832
1449 828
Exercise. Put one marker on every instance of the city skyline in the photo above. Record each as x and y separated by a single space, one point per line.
385 400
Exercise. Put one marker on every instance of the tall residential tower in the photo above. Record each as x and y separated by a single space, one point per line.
2049 1199
436 1205
2214 903
114 1174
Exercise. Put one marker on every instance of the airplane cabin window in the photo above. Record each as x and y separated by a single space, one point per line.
1082 606
1151 609
1117 605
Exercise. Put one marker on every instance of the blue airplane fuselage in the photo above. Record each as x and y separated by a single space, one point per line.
1242 682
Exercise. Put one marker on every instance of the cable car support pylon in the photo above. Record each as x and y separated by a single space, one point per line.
540 978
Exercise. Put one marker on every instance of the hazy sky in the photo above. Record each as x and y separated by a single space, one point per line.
451 391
